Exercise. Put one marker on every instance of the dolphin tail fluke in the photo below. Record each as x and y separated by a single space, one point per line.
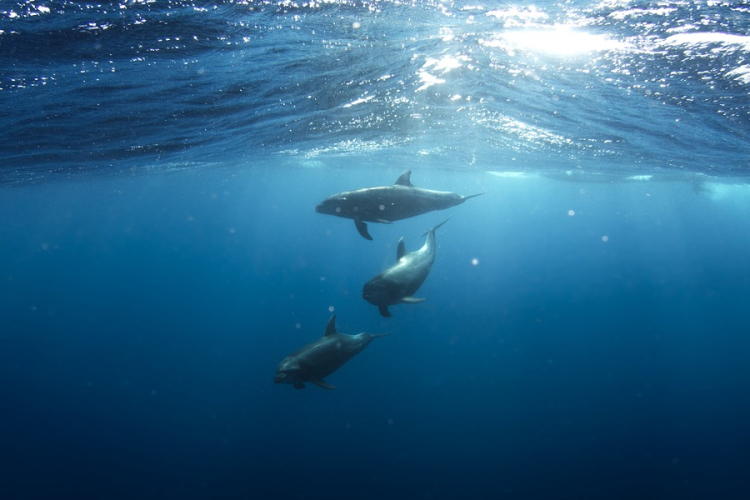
322 383
385 312
362 228
412 300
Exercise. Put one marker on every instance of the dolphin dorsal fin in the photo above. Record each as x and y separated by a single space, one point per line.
331 328
405 179
401 249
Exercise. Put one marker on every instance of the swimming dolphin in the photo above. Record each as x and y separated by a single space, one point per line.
398 283
321 358
386 204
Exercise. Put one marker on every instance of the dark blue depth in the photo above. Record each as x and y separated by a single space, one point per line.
143 319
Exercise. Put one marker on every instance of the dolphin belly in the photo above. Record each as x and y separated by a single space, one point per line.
405 279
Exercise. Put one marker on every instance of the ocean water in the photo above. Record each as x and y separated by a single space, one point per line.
585 333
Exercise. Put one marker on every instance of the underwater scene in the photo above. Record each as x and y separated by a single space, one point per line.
374 249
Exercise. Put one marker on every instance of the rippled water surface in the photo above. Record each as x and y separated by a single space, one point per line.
634 86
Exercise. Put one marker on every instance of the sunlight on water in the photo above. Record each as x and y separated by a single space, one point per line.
529 134
735 194
559 40
442 65
726 40
741 74
511 174
569 80
517 16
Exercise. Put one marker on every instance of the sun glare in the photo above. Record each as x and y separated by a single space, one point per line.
557 40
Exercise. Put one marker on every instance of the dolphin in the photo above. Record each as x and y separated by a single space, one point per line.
321 358
398 283
386 204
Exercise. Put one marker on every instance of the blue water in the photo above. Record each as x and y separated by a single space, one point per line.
585 333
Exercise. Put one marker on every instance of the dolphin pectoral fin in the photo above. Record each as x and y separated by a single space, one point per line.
362 228
299 385
385 312
412 300
322 383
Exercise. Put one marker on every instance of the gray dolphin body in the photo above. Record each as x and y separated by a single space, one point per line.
321 358
398 283
386 204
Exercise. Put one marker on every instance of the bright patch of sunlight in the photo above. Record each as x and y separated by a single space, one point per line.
735 194
507 174
558 40
442 65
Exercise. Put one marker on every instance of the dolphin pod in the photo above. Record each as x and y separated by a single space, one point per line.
386 204
396 285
